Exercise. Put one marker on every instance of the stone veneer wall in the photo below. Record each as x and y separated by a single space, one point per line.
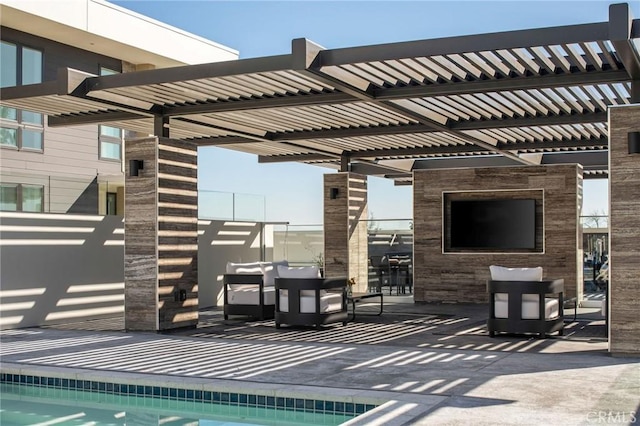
461 277
624 232
161 235
345 235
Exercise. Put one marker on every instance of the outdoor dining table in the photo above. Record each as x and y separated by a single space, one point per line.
399 263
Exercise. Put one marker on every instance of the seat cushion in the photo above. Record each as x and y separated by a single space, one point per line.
529 309
329 302
500 273
245 294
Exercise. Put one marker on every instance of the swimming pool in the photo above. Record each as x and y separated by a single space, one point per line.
33 399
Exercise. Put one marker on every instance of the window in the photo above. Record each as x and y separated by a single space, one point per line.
32 198
21 197
20 129
8 197
110 143
110 137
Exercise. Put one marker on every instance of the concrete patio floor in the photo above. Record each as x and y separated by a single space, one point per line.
422 364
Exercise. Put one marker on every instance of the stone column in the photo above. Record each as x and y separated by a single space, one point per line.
624 233
345 233
161 235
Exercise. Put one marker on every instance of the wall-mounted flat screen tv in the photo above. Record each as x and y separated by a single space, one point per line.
503 224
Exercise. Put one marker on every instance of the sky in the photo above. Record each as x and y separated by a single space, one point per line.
293 192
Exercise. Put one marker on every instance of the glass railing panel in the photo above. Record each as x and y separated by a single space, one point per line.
215 205
249 207
230 206
301 245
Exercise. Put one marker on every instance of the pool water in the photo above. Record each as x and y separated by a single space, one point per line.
32 405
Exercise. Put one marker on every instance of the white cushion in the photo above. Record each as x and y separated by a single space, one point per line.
603 308
244 294
301 272
530 309
244 268
266 269
500 273
329 302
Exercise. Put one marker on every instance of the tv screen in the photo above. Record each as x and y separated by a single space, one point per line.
493 224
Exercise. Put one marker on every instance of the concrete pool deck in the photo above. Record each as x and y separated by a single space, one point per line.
425 364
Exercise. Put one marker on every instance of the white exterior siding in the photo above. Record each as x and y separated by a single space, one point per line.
96 25
86 35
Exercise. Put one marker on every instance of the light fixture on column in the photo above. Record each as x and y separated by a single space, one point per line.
135 166
333 193
633 139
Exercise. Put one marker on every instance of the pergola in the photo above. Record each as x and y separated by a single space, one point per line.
536 96
530 97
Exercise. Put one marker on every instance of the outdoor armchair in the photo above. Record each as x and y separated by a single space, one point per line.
521 301
249 289
303 298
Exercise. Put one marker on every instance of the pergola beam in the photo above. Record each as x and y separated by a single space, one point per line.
621 25
373 169
295 158
592 160
188 72
463 44
445 150
589 159
98 118
458 162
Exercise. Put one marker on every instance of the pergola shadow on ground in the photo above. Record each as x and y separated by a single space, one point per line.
414 326
422 364
402 324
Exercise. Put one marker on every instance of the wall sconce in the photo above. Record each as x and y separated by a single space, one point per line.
135 166
633 138
333 193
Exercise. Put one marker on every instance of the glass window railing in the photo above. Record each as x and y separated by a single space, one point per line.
217 205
